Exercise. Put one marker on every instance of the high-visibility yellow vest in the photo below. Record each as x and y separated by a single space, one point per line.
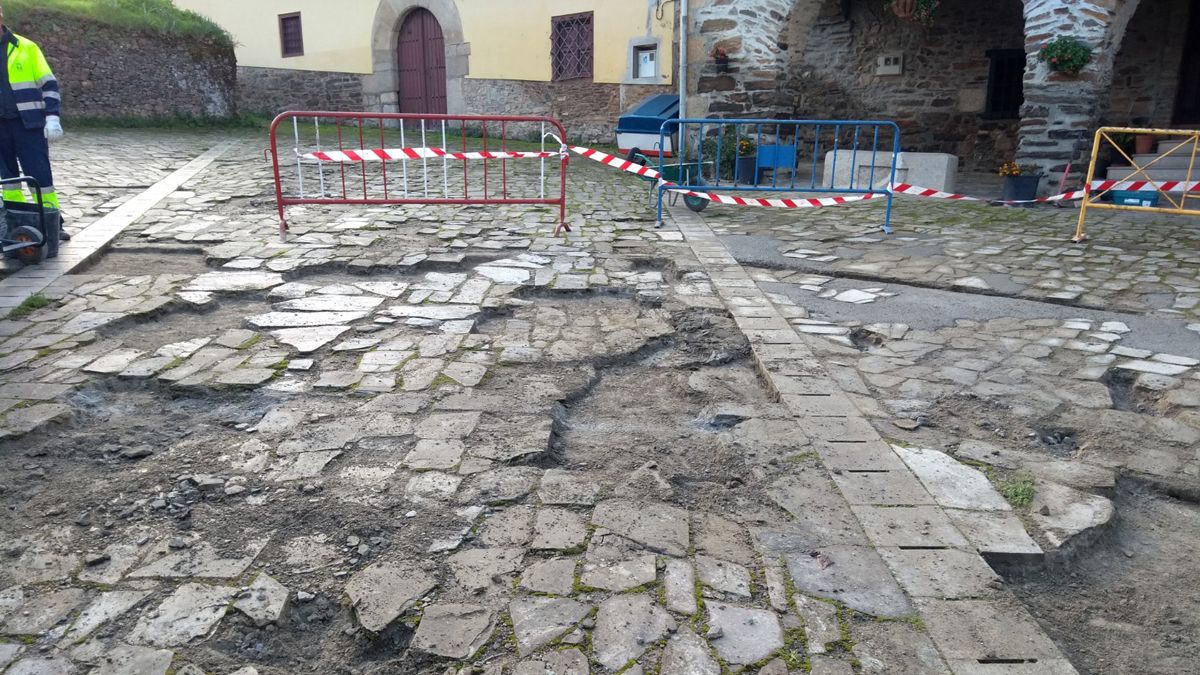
33 83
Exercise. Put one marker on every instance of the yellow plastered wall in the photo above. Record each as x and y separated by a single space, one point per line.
509 39
337 33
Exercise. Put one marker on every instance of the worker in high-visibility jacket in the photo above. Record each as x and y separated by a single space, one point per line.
29 116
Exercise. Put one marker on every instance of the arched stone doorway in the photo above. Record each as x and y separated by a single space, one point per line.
421 62
381 89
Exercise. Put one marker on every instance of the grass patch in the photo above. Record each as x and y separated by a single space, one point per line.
1018 490
179 122
154 16
29 306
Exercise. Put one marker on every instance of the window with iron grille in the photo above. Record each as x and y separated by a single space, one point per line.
1006 84
571 47
291 34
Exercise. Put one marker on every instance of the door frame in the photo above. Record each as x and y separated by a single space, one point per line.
381 86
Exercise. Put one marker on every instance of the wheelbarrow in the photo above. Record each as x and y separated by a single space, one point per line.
680 174
20 238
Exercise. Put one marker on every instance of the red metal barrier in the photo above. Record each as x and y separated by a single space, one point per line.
428 157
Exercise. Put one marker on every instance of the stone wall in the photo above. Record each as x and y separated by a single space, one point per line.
109 72
761 38
939 98
1061 112
588 110
270 91
1146 70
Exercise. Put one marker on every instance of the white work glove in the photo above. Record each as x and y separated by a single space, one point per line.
54 130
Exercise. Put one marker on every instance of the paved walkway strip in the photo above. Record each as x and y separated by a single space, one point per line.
94 238
977 626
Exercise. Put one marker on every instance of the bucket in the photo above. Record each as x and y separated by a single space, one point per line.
24 213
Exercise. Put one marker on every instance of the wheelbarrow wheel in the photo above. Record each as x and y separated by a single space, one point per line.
35 252
696 204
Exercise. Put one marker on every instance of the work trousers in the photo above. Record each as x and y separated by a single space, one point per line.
25 152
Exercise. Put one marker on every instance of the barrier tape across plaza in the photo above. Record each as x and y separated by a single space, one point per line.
653 174
1096 186
396 154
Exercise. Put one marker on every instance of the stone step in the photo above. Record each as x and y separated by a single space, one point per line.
1167 144
1154 173
1175 160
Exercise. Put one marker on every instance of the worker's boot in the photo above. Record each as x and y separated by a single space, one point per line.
63 235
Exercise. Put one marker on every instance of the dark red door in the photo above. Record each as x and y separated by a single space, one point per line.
422 64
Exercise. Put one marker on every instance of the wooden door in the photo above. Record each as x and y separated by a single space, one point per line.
1187 105
422 54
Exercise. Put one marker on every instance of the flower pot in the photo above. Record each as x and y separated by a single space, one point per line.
1143 144
746 170
722 63
905 9
1020 188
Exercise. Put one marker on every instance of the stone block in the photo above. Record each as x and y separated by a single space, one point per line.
933 170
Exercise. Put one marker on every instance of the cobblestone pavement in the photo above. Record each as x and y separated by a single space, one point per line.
1131 262
439 440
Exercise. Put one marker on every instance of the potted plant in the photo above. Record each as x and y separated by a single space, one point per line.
1127 145
721 59
1021 181
736 156
913 10
1065 54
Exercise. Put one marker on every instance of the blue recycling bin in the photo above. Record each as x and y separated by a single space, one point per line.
640 127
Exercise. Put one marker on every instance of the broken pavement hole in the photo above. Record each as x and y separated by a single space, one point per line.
721 422
866 340
1122 390
1058 441
155 260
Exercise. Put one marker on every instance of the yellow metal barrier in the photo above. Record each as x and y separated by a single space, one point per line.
1189 144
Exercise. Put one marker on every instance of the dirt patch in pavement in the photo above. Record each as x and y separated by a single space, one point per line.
1131 605
138 261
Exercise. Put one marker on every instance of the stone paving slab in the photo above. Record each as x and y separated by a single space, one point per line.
899 488
94 238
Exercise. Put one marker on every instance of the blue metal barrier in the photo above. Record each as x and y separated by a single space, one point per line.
735 154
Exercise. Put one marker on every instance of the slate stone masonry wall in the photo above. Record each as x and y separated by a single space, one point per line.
1146 70
940 97
588 110
270 91
104 71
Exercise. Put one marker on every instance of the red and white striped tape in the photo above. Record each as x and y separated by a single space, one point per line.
653 174
396 154
1096 186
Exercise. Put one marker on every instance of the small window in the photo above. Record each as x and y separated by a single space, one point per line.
645 62
571 47
1006 84
291 35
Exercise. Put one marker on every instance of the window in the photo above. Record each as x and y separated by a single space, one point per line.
291 35
571 47
1006 84
645 61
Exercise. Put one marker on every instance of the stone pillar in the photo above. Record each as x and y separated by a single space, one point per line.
1061 113
760 36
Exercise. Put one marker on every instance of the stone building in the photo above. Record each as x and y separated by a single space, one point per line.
581 61
968 83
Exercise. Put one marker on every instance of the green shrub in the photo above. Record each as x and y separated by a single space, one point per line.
157 16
